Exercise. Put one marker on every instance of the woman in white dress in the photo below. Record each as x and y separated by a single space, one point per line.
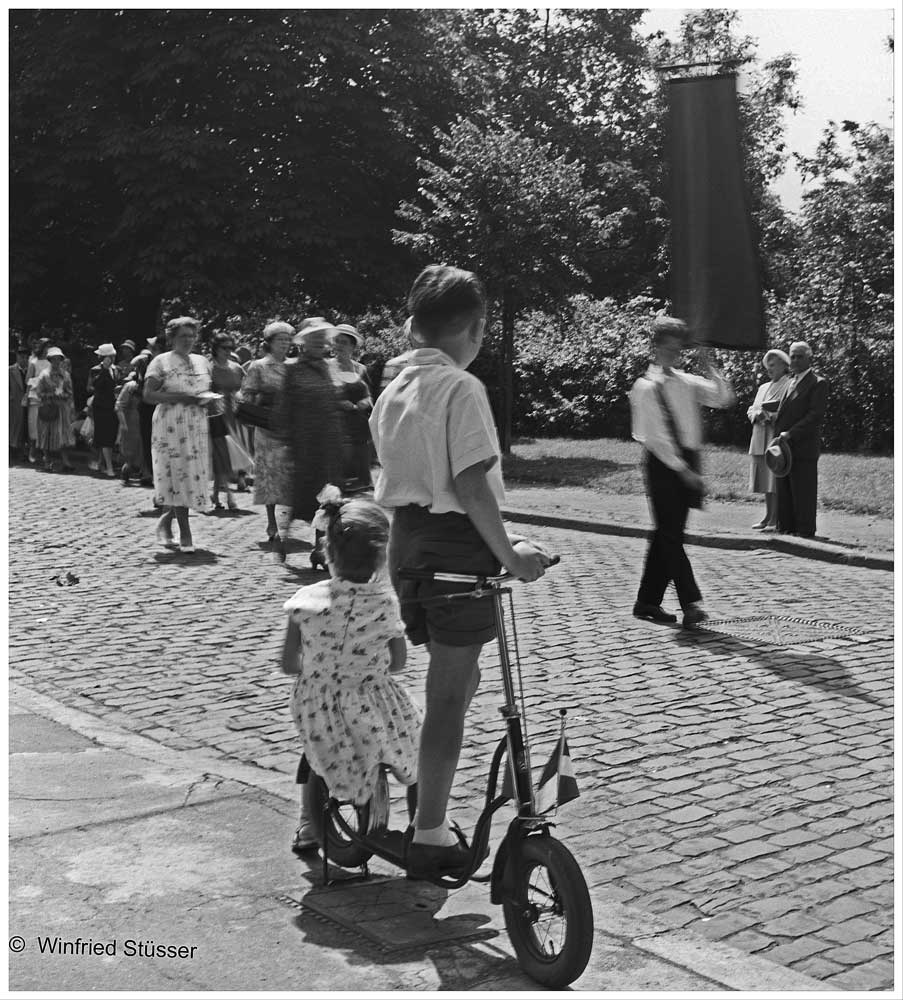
263 385
761 415
178 382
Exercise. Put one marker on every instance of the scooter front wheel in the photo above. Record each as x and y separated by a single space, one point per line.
549 916
341 850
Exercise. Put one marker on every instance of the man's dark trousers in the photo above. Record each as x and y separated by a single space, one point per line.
797 496
666 559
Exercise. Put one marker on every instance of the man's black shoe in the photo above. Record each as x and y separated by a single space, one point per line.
694 616
653 613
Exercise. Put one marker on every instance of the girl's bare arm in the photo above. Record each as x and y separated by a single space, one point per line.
398 654
291 662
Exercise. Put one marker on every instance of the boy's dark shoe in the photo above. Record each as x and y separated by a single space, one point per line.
653 613
694 616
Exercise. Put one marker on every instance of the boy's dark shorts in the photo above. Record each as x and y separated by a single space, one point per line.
450 543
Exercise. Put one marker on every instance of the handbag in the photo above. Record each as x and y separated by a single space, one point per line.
254 415
49 410
695 497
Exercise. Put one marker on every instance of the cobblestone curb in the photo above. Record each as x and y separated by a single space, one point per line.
792 546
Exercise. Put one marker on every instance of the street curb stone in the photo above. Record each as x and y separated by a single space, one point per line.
804 548
714 961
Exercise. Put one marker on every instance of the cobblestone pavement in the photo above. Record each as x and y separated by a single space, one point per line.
739 789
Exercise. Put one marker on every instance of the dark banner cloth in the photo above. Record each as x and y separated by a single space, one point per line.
715 284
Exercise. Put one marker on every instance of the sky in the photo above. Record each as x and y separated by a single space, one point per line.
845 70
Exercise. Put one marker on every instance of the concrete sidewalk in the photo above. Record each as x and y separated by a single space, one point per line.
851 539
131 847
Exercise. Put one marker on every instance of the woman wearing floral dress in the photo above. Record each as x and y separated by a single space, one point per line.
37 365
54 388
128 404
263 386
177 381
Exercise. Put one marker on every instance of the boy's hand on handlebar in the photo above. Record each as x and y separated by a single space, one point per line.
529 562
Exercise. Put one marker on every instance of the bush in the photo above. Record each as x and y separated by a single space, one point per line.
573 373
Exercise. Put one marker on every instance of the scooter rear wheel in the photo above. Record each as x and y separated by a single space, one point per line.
340 849
549 916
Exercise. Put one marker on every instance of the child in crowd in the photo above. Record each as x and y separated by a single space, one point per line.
345 640
441 475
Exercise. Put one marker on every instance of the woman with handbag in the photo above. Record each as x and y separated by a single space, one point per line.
226 377
103 386
178 382
761 415
262 386
55 412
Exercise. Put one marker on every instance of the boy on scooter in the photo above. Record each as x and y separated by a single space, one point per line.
441 475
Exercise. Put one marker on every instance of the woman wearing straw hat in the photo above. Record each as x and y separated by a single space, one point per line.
55 411
37 365
262 386
355 402
307 416
761 415
102 384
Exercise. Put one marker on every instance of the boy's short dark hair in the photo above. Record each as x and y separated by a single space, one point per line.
443 298
669 326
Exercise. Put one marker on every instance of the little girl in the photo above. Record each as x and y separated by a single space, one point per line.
344 640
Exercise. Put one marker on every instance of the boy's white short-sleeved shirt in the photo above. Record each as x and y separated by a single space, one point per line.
431 423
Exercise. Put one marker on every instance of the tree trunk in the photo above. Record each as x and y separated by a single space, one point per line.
505 428
142 314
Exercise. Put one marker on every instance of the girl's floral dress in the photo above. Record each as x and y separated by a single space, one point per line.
180 448
351 713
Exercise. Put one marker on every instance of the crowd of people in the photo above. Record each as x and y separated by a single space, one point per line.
199 428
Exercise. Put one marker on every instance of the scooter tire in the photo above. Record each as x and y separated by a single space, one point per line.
340 850
549 916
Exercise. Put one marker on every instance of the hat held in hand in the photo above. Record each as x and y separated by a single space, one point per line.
778 457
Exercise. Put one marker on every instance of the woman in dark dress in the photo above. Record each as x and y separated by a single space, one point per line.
307 416
355 402
102 384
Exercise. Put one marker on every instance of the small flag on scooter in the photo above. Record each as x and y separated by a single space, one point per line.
557 784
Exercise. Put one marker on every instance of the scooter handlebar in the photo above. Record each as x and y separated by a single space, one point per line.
428 574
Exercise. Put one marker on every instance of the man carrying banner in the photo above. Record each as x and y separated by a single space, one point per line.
667 421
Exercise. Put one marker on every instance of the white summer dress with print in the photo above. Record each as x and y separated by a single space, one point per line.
351 713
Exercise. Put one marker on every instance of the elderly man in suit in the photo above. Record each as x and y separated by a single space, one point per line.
798 422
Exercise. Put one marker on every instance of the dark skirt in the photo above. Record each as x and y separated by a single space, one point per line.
106 427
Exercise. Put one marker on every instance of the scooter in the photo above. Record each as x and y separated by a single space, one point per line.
535 878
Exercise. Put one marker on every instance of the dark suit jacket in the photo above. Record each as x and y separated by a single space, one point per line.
800 415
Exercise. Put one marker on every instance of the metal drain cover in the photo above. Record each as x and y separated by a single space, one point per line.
783 630
397 914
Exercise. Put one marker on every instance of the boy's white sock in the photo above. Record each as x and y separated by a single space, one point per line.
437 836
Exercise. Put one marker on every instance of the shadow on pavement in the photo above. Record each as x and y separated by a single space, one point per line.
198 557
811 669
387 920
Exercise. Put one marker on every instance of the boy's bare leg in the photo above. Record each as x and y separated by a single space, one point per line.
451 681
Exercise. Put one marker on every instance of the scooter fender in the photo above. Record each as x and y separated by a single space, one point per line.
506 866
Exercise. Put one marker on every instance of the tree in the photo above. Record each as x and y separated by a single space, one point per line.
578 79
507 207
223 155
846 263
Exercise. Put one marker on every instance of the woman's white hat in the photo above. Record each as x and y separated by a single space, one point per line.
315 324
54 352
105 349
347 330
